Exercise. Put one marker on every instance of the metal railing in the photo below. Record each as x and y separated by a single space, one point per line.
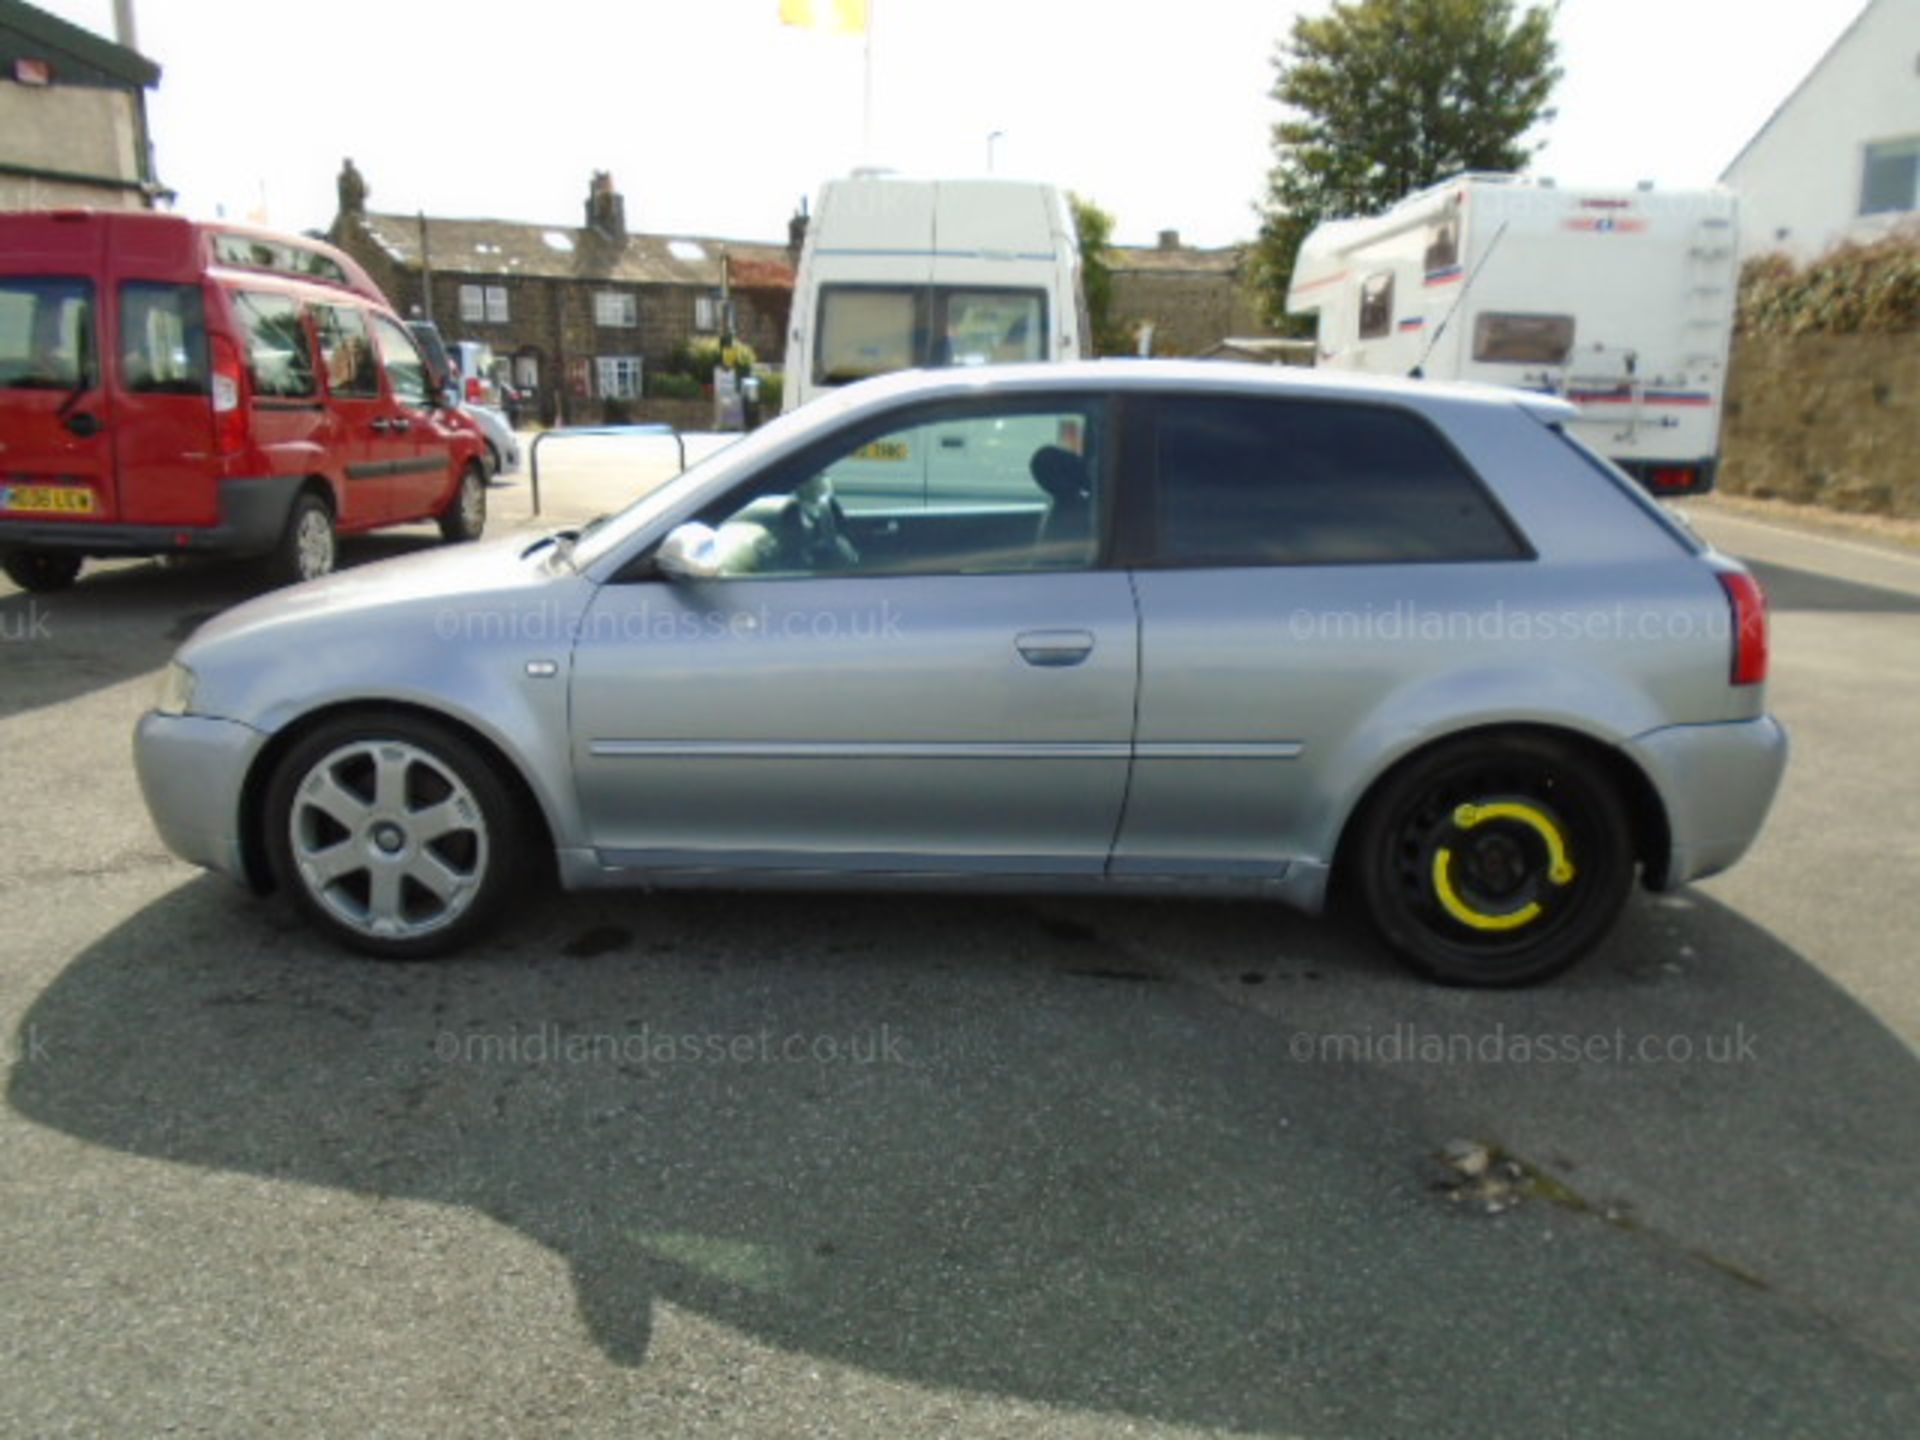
565 432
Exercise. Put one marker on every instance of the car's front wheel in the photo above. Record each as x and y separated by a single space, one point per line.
393 834
465 517
1494 861
41 570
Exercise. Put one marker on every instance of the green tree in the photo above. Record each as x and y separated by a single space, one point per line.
1384 97
1093 227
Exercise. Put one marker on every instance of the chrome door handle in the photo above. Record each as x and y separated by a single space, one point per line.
1054 648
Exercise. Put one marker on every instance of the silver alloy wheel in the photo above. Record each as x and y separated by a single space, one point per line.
473 504
313 544
388 839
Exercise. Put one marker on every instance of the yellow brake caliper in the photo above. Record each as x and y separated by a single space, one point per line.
1465 817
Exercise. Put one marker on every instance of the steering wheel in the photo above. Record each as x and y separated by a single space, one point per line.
818 535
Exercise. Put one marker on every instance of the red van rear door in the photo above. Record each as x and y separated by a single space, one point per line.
56 432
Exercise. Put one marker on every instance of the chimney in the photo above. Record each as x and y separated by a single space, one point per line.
606 208
797 232
1169 239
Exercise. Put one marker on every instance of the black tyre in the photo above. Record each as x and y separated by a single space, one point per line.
465 517
41 570
393 835
308 546
1494 862
494 461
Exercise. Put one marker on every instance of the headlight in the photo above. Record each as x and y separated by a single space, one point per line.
176 690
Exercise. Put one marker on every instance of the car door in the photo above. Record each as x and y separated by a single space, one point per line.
421 464
358 414
929 691
56 443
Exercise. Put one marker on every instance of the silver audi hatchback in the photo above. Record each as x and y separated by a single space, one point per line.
1160 627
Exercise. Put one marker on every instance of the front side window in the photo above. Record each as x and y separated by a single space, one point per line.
1376 306
1512 339
1890 178
46 334
619 377
163 339
406 370
278 355
867 330
614 309
346 352
1248 481
955 490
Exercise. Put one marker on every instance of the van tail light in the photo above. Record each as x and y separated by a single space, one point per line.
229 419
1749 604
1674 477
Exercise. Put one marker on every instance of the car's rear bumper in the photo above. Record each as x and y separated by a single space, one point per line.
192 770
1717 782
253 514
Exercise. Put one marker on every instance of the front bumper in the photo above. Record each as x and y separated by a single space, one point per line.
253 515
1717 783
192 770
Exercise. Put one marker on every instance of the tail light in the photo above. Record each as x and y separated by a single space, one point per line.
229 418
1674 477
1749 604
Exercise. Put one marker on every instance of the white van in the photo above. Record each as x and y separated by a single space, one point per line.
1619 300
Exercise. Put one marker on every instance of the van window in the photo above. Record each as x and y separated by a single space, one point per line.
346 351
277 350
1376 306
256 252
46 334
1522 339
869 330
163 339
1272 482
406 371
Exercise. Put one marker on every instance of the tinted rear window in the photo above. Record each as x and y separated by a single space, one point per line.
163 339
46 334
1286 482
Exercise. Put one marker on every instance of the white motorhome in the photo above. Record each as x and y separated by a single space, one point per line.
898 273
1620 300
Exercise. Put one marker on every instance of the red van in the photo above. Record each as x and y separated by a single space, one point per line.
174 387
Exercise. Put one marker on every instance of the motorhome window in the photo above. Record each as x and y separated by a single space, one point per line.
1509 339
406 370
346 351
1890 178
1376 306
993 327
163 339
46 334
252 252
868 331
277 351
1246 482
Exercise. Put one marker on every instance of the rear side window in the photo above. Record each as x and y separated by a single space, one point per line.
1376 306
346 351
1286 482
46 334
163 339
277 350
406 371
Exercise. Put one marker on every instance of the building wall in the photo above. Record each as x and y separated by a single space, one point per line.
1825 420
1190 310
1799 181
80 130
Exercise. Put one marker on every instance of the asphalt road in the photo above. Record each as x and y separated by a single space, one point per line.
723 1165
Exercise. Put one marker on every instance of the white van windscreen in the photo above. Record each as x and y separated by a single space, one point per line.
869 330
866 332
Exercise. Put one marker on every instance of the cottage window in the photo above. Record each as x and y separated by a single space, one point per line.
483 304
619 377
614 308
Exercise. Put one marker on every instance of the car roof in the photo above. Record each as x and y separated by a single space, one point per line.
1212 377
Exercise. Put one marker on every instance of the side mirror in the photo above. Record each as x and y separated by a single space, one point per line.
690 552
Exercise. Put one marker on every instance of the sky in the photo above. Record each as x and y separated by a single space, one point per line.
715 119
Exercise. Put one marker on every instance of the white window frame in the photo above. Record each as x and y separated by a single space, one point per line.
706 314
473 304
618 377
615 309
496 304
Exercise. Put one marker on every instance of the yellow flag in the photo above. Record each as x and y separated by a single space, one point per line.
844 17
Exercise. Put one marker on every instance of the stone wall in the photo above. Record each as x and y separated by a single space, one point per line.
1826 420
